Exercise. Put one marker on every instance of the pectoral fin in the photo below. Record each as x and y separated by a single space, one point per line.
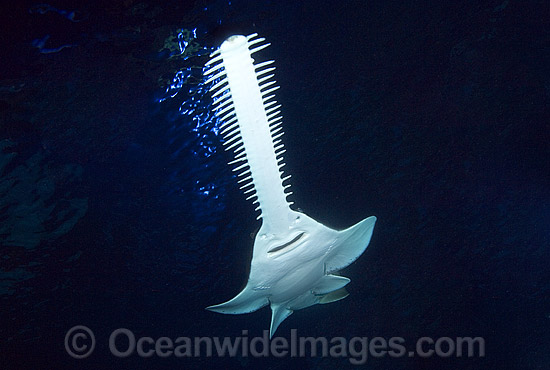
352 242
245 302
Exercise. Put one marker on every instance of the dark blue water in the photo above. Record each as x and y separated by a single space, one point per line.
117 208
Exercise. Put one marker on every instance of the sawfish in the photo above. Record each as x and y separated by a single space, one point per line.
295 259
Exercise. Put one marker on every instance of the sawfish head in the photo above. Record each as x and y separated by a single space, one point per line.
297 268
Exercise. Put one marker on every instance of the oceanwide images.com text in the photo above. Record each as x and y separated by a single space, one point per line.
80 343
